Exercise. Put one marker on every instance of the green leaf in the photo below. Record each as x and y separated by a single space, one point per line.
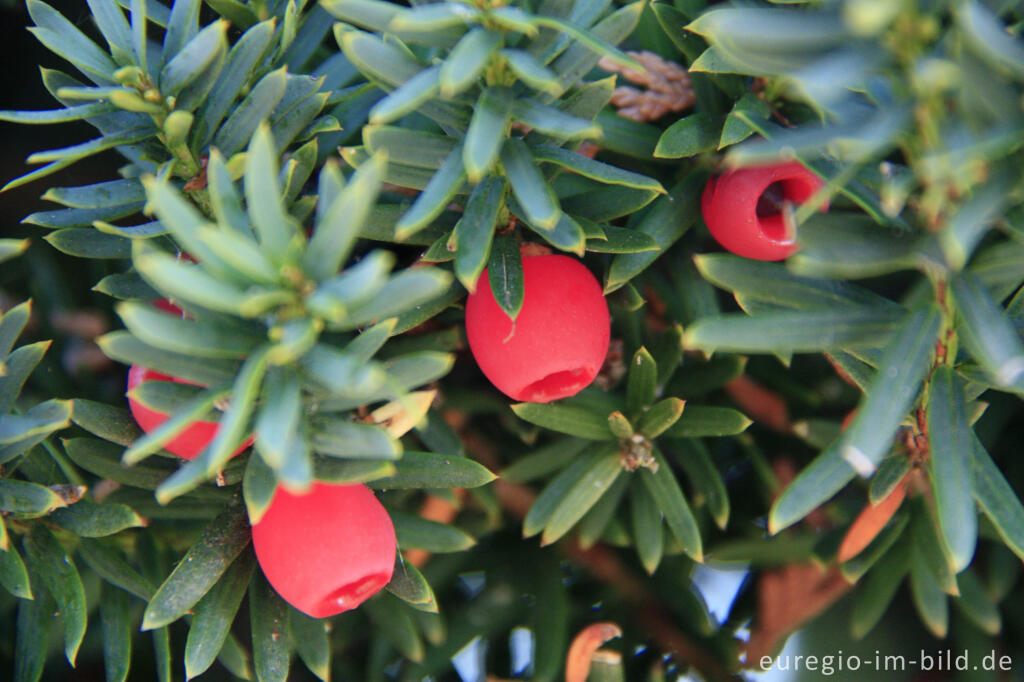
850 245
544 460
311 637
997 498
668 496
197 405
531 190
488 129
505 274
238 129
975 603
414 532
393 622
204 563
594 524
467 61
950 467
748 109
66 115
104 460
380 61
48 560
622 240
699 421
274 228
429 470
695 134
595 170
170 332
928 544
123 347
928 597
597 477
116 623
278 419
567 234
342 438
705 477
793 331
195 59
816 483
474 232
642 385
406 290
109 565
988 334
574 421
230 434
407 146
182 25
553 494
11 248
238 69
22 497
876 593
331 470
893 390
531 71
88 519
889 474
214 614
195 285
62 37
13 575
33 626
271 643
666 221
648 533
408 97
990 39
409 585
583 56
774 283
554 122
89 243
438 193
258 487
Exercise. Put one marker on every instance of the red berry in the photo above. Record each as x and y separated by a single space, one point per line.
327 550
743 208
187 444
557 344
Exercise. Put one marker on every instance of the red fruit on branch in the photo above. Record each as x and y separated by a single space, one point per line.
193 440
558 342
328 550
745 208
187 444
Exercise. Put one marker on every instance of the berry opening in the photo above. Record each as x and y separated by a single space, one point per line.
557 385
350 596
770 209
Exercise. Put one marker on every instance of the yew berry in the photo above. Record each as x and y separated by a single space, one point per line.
187 444
193 440
327 550
558 342
744 208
